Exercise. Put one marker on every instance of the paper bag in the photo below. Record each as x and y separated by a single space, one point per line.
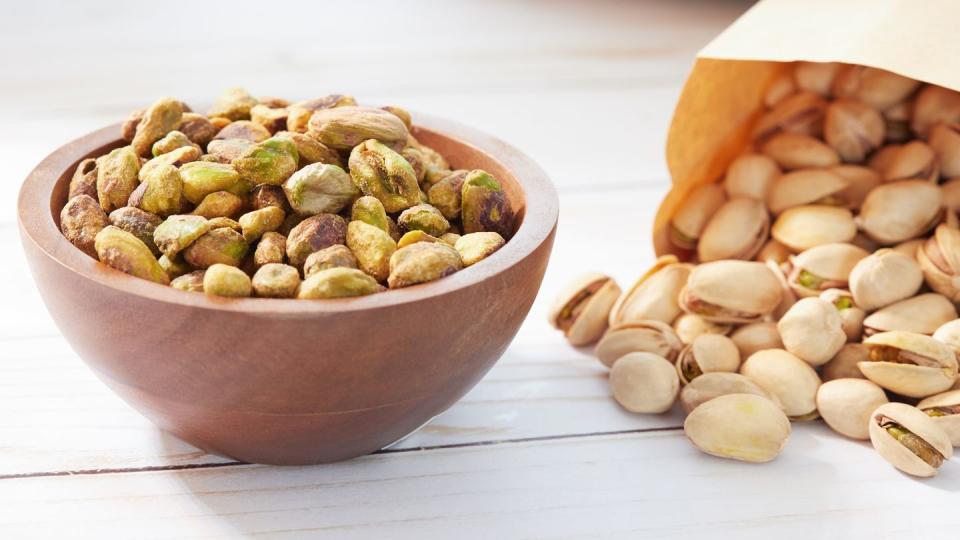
723 95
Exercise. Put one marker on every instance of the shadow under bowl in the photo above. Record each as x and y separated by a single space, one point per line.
293 381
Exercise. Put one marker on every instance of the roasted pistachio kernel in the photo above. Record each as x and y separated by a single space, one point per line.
416 160
160 191
243 130
320 188
273 119
272 248
126 253
423 217
137 222
171 141
80 221
218 204
189 282
84 180
257 222
343 128
269 162
372 247
485 207
224 222
338 256
300 112
225 151
117 174
337 283
311 150
313 234
177 232
159 119
201 178
445 195
380 172
129 127
234 104
225 280
276 281
475 247
174 267
400 113
218 246
197 128
413 237
422 262
370 211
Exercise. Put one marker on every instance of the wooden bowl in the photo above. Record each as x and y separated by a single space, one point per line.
292 381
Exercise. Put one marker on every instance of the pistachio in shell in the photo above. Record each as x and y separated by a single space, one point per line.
643 382
909 439
639 336
816 76
688 326
804 227
945 143
160 118
485 206
914 160
693 214
731 292
218 204
80 221
934 104
422 262
909 364
939 259
877 88
792 380
921 314
719 383
337 256
737 230
177 232
744 427
313 234
582 309
218 246
474 247
189 282
757 336
126 253
853 129
812 331
860 181
844 364
884 277
708 353
751 175
851 315
117 177
201 178
320 188
380 172
807 186
653 296
269 162
137 222
274 280
226 280
794 151
800 113
898 211
337 283
782 86
773 251
272 248
372 247
84 180
343 128
944 409
823 267
847 404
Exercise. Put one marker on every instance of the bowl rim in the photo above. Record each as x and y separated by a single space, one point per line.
540 220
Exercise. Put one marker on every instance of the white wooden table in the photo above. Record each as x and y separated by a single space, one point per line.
538 449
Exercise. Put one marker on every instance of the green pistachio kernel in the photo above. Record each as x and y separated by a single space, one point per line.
255 223
201 178
189 282
372 247
484 206
218 246
382 173
117 176
159 119
269 162
423 217
320 188
337 283
160 191
177 232
126 253
276 281
225 280
370 211
475 247
422 262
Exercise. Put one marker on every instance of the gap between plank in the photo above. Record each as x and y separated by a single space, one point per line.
473 444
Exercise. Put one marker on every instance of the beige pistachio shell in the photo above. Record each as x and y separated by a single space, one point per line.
812 330
844 364
694 213
794 151
643 382
804 227
816 76
744 427
853 129
934 104
881 159
910 247
654 295
758 336
737 230
751 175
581 310
639 336
944 409
774 251
949 333
933 367
822 267
716 384
922 314
884 277
950 190
688 326
781 87
731 291
860 181
939 259
850 314
920 426
846 405
898 211
914 160
708 353
789 378
807 186
875 87
801 112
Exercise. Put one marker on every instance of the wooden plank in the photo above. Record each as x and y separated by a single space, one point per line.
626 486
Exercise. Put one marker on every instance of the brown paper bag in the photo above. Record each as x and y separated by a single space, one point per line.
723 95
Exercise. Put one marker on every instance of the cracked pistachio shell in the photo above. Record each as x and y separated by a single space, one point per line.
708 353
688 326
807 186
582 308
372 247
234 104
797 151
171 141
84 180
174 267
276 281
949 333
780 88
126 253
343 128
773 251
693 214
269 162
177 232
313 234
197 128
914 435
844 364
160 191
853 129
751 176
218 246
189 282
719 383
338 256
731 291
812 331
485 206
816 76
201 178
272 248
846 405
788 297
225 151
422 262
380 172
423 217
860 181
744 427
909 364
757 336
850 314
737 230
792 380
898 211
370 211
800 113
311 150
653 296
255 223
944 409
945 142
823 267
475 247
243 130
413 237
875 87
914 160
445 195
273 119
804 227
117 177
922 314
80 221
337 283
644 382
218 204
225 280
159 119
939 259
935 104
320 188
137 222
884 277
640 336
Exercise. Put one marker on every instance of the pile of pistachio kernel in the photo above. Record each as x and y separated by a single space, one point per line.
316 199
817 279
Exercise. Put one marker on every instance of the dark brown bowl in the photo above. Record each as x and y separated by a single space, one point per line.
293 381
